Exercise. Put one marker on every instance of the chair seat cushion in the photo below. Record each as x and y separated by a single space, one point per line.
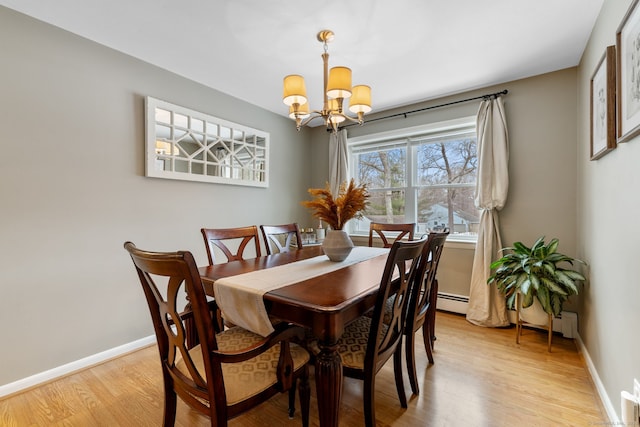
388 309
352 346
245 379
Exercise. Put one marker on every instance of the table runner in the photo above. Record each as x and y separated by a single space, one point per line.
240 297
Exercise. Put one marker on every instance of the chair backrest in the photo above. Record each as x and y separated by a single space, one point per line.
215 237
278 238
381 228
175 272
400 269
422 295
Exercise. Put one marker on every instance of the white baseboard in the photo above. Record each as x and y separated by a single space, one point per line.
452 302
566 323
63 370
602 392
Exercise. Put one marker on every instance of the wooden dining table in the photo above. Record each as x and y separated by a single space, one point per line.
324 304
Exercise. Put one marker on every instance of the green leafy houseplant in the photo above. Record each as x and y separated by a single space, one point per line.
536 272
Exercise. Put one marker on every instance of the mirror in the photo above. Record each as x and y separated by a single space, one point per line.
188 145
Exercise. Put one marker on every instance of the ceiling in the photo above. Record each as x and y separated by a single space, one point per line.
406 50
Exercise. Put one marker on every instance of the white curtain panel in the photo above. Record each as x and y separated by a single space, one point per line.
487 306
338 160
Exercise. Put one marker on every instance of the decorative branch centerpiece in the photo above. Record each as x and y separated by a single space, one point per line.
336 211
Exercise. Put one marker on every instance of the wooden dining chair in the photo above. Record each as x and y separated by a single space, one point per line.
278 238
368 343
399 231
228 372
422 304
216 238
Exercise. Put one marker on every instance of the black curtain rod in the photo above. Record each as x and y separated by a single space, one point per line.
484 97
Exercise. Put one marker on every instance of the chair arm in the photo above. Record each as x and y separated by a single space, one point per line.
284 332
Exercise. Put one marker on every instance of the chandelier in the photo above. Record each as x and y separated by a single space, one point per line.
337 87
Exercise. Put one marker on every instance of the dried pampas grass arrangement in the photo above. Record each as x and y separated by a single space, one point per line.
349 203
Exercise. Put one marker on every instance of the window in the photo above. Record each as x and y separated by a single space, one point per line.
425 175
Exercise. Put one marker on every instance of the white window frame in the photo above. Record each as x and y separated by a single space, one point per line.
410 137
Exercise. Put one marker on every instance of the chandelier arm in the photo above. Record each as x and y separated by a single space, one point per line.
313 115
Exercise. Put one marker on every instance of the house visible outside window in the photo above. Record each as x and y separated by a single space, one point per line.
425 174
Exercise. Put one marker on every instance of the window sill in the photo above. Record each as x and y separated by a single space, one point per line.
451 243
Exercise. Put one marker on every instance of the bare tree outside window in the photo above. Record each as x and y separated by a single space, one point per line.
446 177
384 173
430 181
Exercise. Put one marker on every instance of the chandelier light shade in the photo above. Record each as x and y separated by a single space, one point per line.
337 87
295 91
360 101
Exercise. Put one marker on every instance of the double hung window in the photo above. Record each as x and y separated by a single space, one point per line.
425 175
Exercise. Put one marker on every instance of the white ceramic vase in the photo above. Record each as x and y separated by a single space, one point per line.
534 314
337 245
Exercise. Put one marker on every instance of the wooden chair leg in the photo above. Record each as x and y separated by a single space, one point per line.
431 315
428 340
410 356
305 397
368 397
397 369
292 400
170 402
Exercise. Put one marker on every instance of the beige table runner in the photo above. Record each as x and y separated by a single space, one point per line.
240 297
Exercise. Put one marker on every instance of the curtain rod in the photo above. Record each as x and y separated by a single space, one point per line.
484 97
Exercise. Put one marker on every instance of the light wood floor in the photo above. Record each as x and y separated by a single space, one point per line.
480 378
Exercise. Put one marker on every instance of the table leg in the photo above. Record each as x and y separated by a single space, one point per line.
328 383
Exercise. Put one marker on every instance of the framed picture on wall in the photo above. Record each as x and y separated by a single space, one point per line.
603 105
628 74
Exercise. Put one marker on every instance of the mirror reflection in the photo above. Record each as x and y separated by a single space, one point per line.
185 144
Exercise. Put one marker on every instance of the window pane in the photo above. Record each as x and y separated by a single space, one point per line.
384 206
383 168
447 162
448 207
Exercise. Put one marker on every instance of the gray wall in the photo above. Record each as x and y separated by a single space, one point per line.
608 235
73 190
541 118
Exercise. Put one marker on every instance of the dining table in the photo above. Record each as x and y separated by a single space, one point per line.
324 304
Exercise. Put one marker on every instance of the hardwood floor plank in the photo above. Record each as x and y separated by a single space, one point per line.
481 377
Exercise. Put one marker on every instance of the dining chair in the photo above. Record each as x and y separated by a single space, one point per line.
228 372
381 229
278 238
216 237
368 343
224 239
422 304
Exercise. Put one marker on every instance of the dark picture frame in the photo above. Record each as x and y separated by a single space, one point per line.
603 105
628 74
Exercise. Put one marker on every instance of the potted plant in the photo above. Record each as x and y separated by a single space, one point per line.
349 203
539 271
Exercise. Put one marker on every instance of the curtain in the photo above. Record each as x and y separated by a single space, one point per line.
338 160
487 306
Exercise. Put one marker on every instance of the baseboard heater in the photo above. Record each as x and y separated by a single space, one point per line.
566 323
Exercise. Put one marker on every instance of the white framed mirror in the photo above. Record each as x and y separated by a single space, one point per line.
188 145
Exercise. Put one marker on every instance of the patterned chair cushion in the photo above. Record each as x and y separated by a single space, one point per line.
245 379
352 346
388 308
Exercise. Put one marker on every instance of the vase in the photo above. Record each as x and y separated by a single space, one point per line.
534 314
337 245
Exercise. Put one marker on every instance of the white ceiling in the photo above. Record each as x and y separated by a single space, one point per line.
406 50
